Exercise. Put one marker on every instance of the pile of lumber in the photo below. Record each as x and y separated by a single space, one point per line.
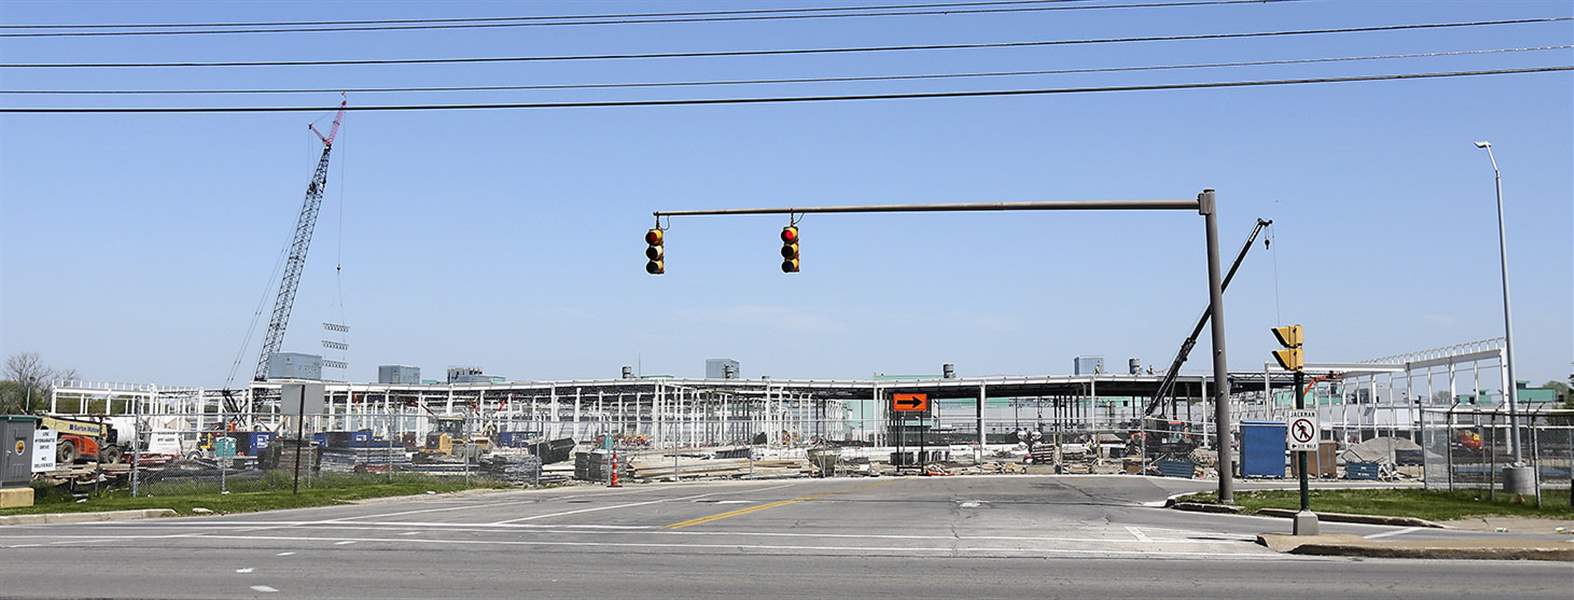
657 467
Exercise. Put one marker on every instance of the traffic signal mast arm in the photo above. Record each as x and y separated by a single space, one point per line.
951 207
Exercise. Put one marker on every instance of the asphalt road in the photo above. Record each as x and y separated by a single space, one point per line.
950 537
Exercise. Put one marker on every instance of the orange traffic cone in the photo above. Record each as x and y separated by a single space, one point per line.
613 481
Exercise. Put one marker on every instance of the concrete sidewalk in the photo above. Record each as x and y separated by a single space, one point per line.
1479 549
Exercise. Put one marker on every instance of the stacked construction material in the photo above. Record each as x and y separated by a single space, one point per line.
661 467
1042 454
593 465
364 458
282 455
514 467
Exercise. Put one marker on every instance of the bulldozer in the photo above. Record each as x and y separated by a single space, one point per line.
449 438
82 439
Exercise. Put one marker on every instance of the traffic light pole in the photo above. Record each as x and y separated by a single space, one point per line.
1300 457
1204 205
1224 446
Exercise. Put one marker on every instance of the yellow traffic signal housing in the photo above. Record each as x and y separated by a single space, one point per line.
789 249
655 252
1289 336
1290 359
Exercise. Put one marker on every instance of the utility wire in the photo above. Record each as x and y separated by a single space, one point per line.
534 18
642 20
726 82
793 51
799 99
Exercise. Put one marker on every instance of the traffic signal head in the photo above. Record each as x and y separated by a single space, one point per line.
1289 336
1290 359
789 249
655 252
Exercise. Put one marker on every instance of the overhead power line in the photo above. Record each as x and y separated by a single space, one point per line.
791 51
648 18
799 99
538 17
797 80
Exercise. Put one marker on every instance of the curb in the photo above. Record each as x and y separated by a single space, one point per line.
1285 543
87 517
1207 508
1332 517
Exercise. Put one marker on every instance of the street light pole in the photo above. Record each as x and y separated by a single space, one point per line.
1510 387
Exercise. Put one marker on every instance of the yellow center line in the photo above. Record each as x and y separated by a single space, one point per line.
767 506
739 512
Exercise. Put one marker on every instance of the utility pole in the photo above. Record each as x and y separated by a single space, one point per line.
1517 478
1204 204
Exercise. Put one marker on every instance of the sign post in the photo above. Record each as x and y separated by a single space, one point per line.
903 405
224 452
307 399
1301 431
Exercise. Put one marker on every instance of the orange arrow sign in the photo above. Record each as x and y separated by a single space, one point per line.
910 402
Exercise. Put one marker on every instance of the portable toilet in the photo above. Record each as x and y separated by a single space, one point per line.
1262 449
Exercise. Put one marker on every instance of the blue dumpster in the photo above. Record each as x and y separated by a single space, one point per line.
1262 449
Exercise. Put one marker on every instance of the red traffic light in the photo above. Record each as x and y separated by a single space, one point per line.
789 249
656 253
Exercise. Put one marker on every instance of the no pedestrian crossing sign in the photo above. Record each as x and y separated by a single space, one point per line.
1300 433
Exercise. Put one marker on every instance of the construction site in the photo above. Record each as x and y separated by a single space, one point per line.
1441 416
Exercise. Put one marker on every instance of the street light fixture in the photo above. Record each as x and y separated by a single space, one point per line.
1516 477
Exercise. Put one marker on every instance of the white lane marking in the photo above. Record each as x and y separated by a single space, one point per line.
344 542
972 504
90 540
523 500
1137 533
732 502
285 554
424 510
892 549
264 589
1391 533
410 533
631 505
244 571
873 536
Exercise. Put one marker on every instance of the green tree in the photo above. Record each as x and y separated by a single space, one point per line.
27 384
1562 390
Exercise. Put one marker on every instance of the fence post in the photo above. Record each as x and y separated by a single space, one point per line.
1535 456
1492 457
1448 444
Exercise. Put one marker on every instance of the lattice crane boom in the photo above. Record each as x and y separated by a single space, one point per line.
295 260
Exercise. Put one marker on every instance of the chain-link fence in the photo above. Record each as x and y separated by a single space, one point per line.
188 451
1468 447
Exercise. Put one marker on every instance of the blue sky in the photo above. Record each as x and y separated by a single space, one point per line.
135 248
